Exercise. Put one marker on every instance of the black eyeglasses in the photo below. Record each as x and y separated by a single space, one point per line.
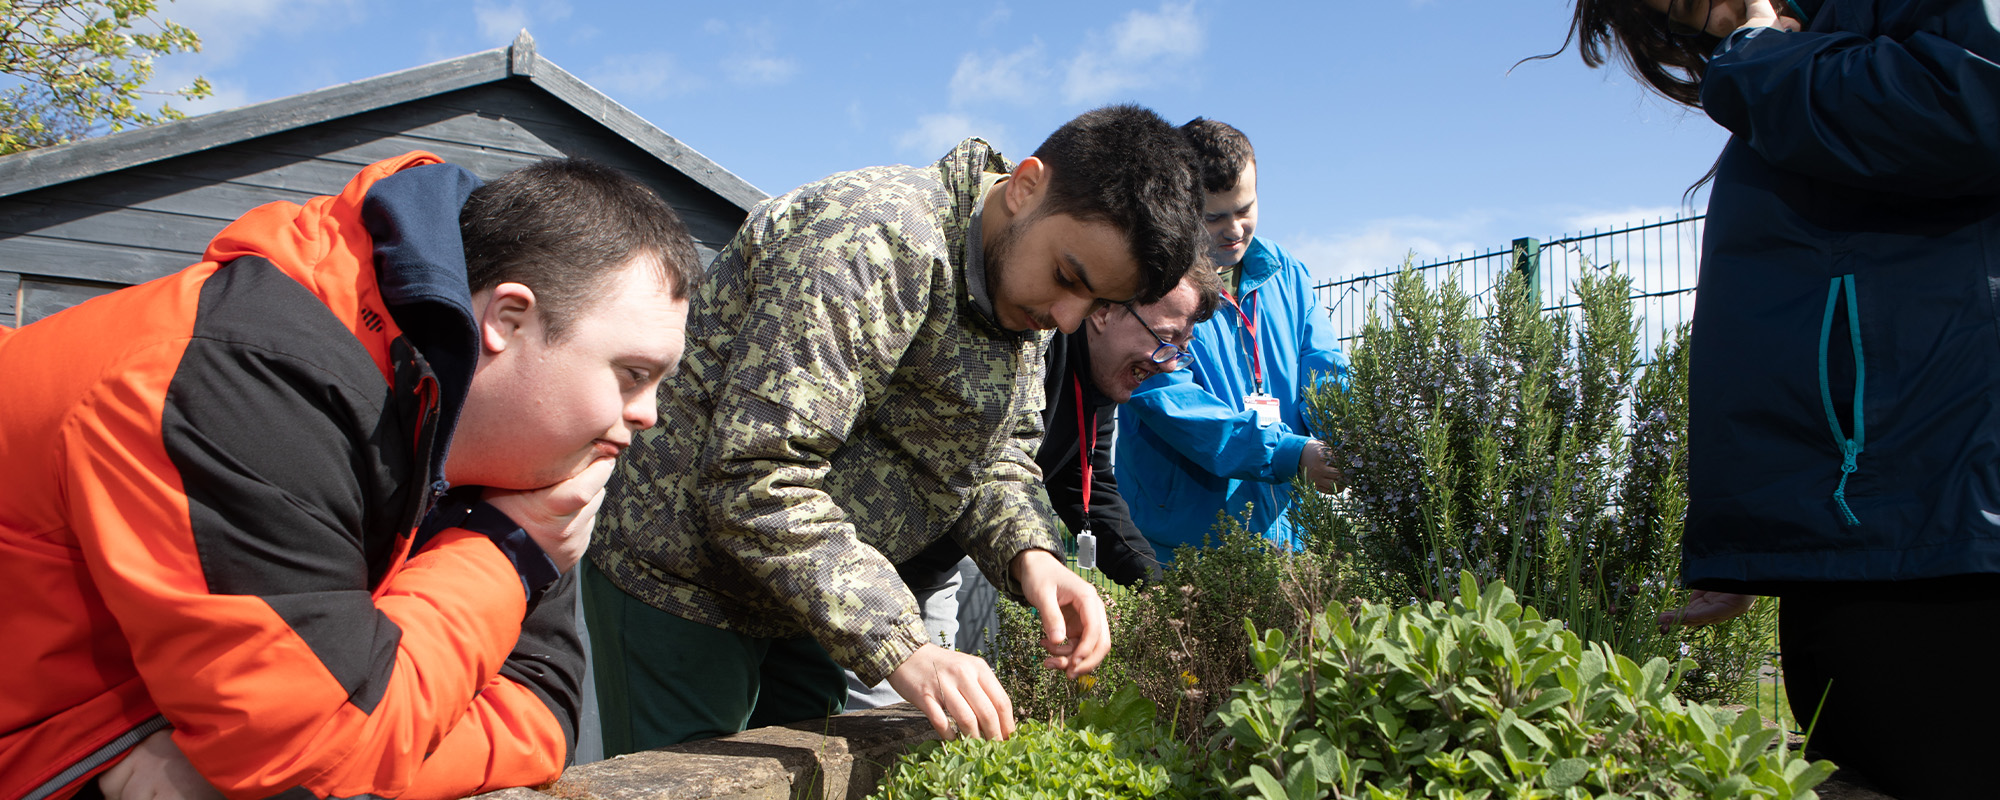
1167 352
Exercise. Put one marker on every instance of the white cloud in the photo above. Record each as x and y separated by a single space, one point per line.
753 63
1380 245
1011 77
642 75
999 16
227 27
760 70
1612 220
1143 49
937 133
499 24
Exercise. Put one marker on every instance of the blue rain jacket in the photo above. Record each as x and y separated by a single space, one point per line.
1845 379
1189 447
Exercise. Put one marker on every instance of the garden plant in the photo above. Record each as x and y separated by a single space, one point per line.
1181 640
1529 445
1474 697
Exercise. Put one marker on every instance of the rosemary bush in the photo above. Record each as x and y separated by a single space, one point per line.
1525 447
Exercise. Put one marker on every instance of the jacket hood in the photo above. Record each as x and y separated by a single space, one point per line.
387 246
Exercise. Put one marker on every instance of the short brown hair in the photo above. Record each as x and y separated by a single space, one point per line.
1220 152
562 226
1208 293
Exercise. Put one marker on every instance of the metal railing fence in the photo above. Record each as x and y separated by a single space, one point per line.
1659 256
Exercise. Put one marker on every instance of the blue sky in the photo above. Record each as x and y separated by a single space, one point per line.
1380 126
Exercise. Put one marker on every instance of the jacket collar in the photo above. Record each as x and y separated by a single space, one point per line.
412 220
968 172
1259 264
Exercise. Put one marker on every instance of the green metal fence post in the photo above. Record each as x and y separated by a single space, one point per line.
1528 262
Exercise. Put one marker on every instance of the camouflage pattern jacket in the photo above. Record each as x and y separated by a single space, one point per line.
842 403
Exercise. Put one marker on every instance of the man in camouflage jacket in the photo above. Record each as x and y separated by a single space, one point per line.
863 376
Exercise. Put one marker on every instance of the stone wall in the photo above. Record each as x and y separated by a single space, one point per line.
841 758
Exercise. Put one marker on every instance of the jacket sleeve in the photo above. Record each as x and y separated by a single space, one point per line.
235 568
830 312
1916 114
1216 437
1007 513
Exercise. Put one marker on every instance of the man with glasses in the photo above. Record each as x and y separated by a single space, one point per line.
1229 434
1090 373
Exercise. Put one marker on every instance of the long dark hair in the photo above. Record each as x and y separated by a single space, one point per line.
1672 64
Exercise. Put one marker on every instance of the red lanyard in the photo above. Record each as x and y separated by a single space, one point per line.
1250 325
1083 451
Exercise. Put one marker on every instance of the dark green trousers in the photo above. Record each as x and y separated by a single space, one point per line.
664 680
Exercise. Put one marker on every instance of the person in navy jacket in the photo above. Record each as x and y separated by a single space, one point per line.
1845 361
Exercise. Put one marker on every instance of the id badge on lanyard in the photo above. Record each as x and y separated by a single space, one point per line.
1086 542
1265 405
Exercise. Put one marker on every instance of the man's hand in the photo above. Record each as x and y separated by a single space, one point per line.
1313 465
1706 608
155 770
1074 630
958 692
558 517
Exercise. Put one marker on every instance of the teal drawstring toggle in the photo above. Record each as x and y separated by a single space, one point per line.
1848 450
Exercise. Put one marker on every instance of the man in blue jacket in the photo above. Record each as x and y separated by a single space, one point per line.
1229 432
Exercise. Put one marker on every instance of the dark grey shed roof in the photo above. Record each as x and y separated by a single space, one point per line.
83 218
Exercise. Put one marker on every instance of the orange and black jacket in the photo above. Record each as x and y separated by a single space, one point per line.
210 494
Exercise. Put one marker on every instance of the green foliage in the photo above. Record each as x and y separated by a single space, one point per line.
1111 748
1180 641
82 66
1529 446
1479 697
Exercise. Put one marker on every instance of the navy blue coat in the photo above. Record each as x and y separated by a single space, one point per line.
1846 350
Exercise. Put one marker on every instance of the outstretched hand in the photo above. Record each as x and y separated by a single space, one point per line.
957 692
155 769
559 516
1314 464
1706 608
1762 14
1074 629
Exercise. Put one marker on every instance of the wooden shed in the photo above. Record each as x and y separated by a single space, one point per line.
85 218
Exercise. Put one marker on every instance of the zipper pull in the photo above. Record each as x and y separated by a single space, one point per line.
438 488
1848 451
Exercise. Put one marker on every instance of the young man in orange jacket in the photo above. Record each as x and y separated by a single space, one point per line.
300 518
